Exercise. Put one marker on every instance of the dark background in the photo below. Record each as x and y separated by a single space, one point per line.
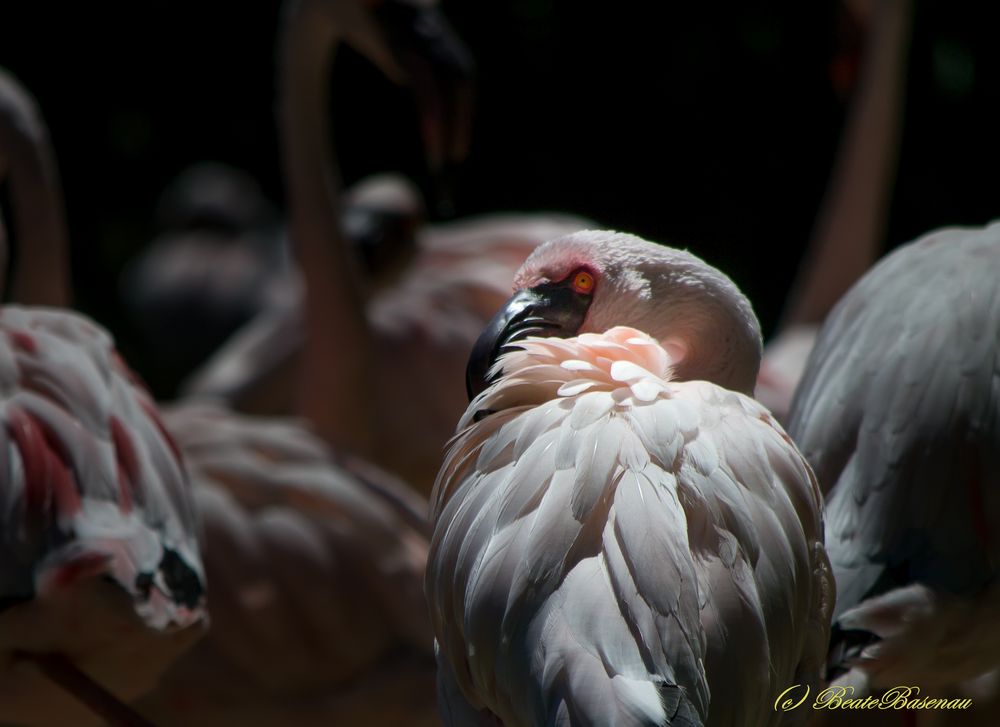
707 125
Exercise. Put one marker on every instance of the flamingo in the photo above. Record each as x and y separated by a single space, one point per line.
315 563
852 218
374 347
898 415
621 534
315 558
101 583
222 261
26 159
217 263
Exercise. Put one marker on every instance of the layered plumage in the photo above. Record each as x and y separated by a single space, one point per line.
101 583
899 415
98 556
616 542
316 569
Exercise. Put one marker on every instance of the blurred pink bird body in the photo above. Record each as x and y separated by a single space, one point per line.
422 328
354 379
316 571
99 557
100 576
782 367
610 531
316 558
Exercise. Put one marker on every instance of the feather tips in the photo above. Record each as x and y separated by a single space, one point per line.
569 570
97 478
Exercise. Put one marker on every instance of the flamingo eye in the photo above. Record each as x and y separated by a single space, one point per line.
583 282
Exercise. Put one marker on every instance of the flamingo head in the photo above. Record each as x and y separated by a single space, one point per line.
413 45
439 70
591 281
381 217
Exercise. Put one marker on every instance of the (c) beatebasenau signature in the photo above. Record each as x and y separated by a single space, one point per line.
840 697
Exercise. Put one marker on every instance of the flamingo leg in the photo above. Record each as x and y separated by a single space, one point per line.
60 670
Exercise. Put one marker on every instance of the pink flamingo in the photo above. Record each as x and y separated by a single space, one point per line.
315 564
101 582
316 559
392 362
218 261
285 526
621 534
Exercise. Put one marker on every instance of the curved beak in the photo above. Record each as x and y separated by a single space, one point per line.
439 69
550 309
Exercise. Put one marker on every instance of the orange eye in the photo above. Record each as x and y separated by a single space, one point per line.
583 282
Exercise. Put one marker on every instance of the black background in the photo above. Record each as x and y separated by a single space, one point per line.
707 125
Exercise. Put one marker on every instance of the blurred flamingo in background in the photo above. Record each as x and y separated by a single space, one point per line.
851 224
26 160
616 520
101 583
222 261
899 415
315 565
316 557
392 360
218 261
287 526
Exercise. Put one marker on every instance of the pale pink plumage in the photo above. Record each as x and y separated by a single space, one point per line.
613 543
925 639
782 367
100 574
99 560
315 568
315 559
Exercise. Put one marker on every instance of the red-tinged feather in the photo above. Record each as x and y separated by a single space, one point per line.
48 479
128 463
87 567
23 341
80 575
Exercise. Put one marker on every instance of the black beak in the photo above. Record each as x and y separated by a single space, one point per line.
440 70
551 309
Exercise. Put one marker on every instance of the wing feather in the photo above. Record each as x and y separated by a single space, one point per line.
897 413
605 570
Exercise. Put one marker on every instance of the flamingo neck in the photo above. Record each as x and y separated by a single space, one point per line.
851 222
336 360
42 275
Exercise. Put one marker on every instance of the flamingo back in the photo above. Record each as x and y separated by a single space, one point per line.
316 568
608 537
98 552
